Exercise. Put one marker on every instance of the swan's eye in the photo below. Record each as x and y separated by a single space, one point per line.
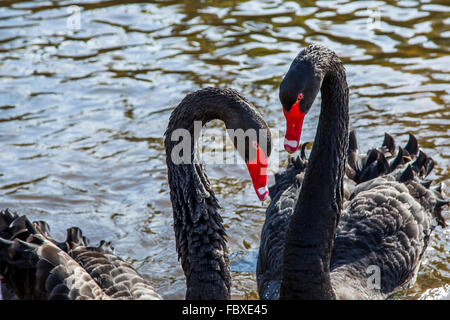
297 102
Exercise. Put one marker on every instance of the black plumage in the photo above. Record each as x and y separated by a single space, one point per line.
36 266
199 233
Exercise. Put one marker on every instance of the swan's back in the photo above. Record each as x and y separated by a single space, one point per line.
389 214
383 233
68 270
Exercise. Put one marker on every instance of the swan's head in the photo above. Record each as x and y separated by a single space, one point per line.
298 90
252 139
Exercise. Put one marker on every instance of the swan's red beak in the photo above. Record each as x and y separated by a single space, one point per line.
258 172
294 123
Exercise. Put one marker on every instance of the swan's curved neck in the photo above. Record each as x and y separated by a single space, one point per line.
200 234
309 240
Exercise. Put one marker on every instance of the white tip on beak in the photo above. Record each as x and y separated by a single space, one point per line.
263 192
291 143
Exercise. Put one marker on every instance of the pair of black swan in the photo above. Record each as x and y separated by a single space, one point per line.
329 222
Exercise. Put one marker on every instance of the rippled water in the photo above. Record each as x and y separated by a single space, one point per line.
86 92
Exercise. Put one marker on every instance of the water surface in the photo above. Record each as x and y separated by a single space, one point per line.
86 92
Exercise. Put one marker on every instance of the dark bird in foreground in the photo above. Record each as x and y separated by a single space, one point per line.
342 224
199 231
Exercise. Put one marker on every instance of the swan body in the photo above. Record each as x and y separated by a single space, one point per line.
384 223
385 228
36 266
342 224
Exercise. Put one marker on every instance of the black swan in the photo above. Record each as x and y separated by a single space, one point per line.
341 224
35 266
199 232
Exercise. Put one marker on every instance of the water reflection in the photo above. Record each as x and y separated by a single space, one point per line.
83 107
